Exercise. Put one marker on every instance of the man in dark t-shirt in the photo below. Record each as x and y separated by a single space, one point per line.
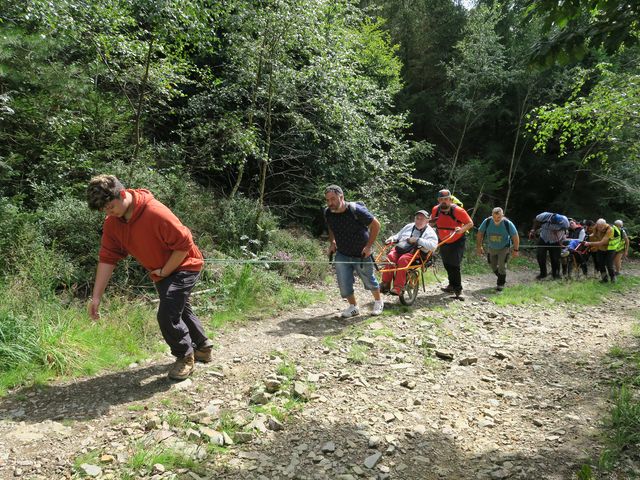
352 231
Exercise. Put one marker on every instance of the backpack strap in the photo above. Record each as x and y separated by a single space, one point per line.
504 224
448 213
486 225
506 227
351 207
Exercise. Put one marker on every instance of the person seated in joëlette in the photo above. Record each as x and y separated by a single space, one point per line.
413 236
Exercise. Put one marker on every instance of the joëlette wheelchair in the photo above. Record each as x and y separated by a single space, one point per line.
416 268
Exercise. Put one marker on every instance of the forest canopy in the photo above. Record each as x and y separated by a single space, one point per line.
527 105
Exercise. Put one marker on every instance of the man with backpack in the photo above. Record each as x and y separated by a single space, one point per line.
352 232
502 239
451 222
553 227
413 236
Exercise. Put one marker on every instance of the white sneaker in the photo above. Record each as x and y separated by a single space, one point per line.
351 311
378 306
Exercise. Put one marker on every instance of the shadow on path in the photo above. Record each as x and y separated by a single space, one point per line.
331 323
85 398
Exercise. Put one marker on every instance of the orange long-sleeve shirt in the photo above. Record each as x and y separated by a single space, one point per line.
151 235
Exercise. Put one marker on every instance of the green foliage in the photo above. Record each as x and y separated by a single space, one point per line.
289 245
624 426
588 292
61 124
44 338
241 292
235 224
15 225
585 473
600 119
574 27
37 270
144 458
287 368
18 340
306 88
72 230
357 354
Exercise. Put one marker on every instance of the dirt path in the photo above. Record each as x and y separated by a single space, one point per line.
444 390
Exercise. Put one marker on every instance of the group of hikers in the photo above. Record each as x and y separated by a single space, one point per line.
139 225
568 243
353 231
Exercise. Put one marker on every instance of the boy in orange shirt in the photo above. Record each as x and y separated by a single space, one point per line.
139 225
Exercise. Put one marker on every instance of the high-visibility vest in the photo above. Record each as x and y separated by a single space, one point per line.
616 241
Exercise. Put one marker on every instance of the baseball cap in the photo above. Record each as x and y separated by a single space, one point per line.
423 212
444 193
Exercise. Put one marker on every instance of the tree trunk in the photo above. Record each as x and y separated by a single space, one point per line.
143 85
252 106
475 207
267 153
457 153
512 163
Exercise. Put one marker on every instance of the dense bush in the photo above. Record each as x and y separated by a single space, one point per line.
296 245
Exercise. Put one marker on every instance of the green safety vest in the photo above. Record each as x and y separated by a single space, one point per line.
616 242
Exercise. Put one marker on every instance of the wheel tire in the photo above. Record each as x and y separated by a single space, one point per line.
410 292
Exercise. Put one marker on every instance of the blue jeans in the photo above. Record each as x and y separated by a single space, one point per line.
344 271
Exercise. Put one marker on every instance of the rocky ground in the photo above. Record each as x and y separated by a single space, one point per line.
442 390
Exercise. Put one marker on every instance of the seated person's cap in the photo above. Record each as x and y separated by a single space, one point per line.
423 212
444 193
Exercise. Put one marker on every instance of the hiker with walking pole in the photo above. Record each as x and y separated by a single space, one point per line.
139 225
352 232
502 241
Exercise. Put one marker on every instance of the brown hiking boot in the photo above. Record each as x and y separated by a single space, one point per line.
182 368
204 353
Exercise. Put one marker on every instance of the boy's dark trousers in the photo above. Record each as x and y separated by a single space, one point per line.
180 327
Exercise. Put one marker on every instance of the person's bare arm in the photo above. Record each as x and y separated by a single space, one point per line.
103 275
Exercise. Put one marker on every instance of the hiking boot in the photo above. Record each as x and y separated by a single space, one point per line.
499 288
182 368
378 306
350 311
384 287
447 289
204 352
540 277
457 292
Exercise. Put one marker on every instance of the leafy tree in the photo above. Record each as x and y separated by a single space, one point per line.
303 97
477 76
576 26
600 122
